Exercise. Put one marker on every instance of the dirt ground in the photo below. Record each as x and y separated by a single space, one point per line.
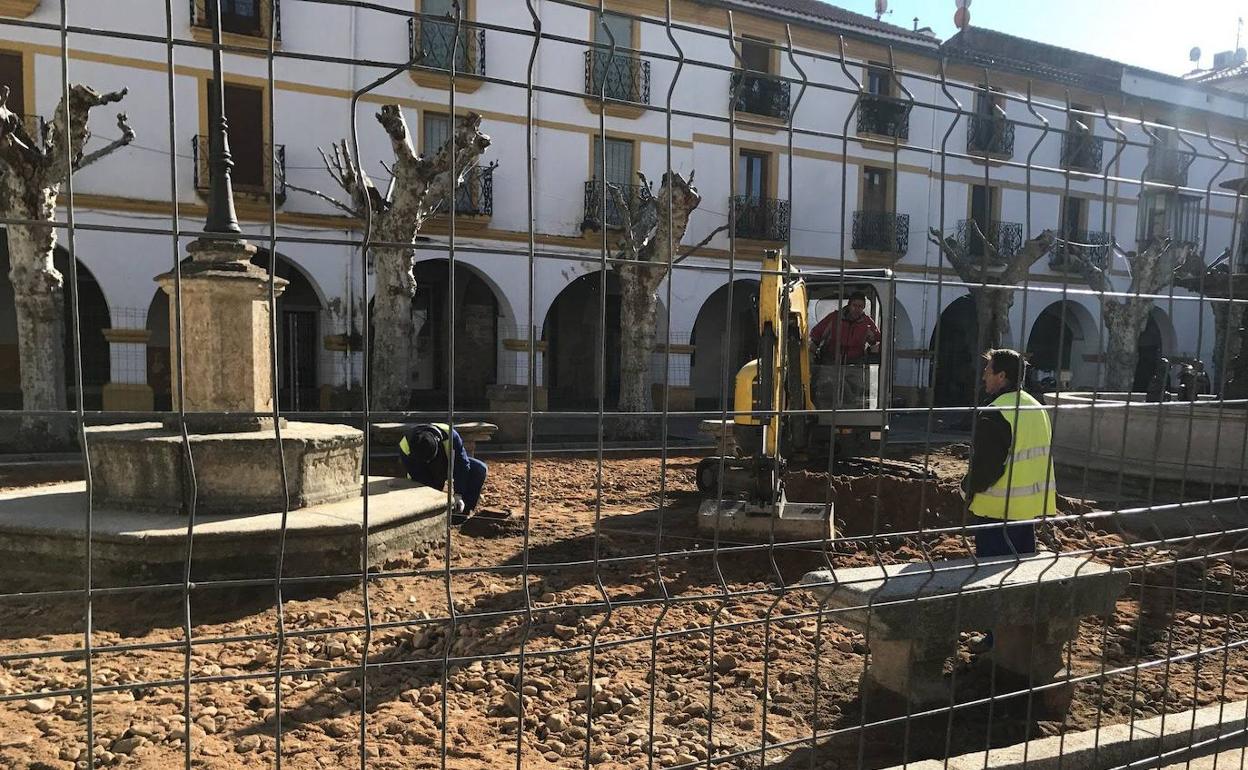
736 664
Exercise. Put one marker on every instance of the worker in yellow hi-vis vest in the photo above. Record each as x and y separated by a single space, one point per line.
424 450
1010 481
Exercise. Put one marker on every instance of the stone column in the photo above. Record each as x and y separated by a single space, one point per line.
903 670
127 389
225 334
679 363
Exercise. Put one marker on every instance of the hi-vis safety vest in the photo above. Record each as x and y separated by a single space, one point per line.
1027 488
442 427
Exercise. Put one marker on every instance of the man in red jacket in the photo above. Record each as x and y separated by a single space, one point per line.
841 341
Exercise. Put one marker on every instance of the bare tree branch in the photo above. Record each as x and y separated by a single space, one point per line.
327 198
127 136
961 265
701 243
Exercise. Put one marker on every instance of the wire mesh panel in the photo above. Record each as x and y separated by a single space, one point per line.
888 412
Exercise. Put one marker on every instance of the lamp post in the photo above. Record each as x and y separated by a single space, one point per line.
221 215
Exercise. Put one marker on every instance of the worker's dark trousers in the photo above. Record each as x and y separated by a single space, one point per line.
469 478
997 540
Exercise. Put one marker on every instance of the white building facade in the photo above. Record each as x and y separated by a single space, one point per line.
842 162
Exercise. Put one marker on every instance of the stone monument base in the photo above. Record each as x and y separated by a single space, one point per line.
141 467
43 538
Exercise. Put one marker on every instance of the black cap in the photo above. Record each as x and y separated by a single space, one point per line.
425 445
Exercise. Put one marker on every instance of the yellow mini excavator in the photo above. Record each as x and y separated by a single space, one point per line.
786 407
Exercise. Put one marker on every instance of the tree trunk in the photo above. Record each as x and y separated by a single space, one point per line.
1123 323
638 308
392 326
992 316
1226 340
39 299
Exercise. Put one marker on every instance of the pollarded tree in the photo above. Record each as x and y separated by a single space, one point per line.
1125 315
645 252
32 171
421 185
989 277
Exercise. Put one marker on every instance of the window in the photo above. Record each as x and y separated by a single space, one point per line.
12 74
875 197
752 175
982 211
879 80
244 113
619 75
1073 216
435 130
619 172
437 37
756 55
239 17
1167 215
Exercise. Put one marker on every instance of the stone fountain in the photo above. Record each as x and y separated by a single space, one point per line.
146 480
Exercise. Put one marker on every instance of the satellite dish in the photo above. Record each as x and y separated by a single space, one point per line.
881 8
961 18
963 3
1194 54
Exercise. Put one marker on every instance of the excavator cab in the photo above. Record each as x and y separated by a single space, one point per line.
796 403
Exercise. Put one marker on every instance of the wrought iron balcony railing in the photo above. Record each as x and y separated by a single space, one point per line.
765 219
990 134
1090 245
594 190
1168 164
884 116
1005 238
475 196
760 94
239 23
619 76
1082 151
432 44
881 231
253 170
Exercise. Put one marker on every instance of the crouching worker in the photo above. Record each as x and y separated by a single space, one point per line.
424 450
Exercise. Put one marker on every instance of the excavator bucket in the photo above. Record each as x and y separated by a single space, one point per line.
785 521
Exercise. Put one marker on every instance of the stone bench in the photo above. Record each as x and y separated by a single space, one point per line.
472 433
722 432
911 615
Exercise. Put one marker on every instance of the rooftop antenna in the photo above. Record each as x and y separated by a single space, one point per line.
881 8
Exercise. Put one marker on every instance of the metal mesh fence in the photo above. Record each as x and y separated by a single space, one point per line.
720 526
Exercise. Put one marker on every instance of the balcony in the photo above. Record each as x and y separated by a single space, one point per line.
620 77
762 219
760 94
884 116
432 44
475 196
1082 151
1091 245
249 24
253 170
881 231
990 135
1168 165
594 190
1006 238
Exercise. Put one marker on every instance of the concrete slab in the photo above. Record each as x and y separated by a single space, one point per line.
899 598
42 537
1109 747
